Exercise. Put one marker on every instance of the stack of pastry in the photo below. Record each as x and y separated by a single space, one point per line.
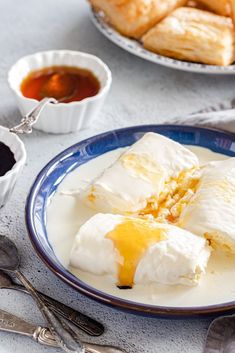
197 31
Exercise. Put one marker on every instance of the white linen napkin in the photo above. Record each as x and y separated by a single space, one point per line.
220 116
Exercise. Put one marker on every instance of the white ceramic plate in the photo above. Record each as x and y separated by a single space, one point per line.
136 48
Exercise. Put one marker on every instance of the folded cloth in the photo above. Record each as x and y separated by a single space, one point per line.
220 116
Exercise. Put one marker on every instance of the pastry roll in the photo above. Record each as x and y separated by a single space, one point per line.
193 35
211 211
221 7
141 177
134 17
135 251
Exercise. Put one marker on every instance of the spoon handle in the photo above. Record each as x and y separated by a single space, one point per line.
82 321
12 323
25 127
43 336
64 335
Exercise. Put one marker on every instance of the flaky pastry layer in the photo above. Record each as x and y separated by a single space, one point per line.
221 7
197 5
135 17
232 5
193 35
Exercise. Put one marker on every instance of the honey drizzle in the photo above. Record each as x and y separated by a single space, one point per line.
131 239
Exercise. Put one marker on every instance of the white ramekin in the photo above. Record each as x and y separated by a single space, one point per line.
62 117
7 181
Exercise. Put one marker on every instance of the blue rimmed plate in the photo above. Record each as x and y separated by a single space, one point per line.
57 169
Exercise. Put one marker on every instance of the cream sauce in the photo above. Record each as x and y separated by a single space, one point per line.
65 215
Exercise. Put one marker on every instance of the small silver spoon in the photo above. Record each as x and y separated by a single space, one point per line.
58 89
11 323
82 321
25 127
63 334
221 335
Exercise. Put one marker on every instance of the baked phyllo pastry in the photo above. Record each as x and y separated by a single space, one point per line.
135 251
193 35
134 17
197 5
142 177
232 5
221 7
211 211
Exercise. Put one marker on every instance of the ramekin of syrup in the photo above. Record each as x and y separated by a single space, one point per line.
12 160
64 83
78 81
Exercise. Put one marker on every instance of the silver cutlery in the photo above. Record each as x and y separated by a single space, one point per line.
221 335
12 323
64 335
27 122
83 322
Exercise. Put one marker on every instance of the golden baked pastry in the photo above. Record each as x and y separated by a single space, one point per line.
193 35
221 7
197 5
232 4
135 17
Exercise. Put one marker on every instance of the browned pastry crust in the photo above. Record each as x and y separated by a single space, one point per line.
232 4
197 5
135 17
193 35
221 7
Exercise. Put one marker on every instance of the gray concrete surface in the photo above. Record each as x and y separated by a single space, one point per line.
141 93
